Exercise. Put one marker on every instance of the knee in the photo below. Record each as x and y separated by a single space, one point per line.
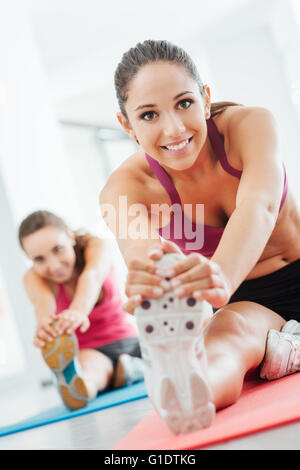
232 321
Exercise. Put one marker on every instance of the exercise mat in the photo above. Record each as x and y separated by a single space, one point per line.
262 405
59 413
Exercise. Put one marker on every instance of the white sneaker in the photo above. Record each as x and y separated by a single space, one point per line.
292 327
282 354
175 366
128 370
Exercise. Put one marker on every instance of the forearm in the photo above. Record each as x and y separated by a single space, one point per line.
243 241
44 308
88 289
139 249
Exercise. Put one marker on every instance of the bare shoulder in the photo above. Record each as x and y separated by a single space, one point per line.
32 281
128 179
238 122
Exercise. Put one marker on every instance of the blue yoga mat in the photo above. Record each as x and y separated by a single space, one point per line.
59 413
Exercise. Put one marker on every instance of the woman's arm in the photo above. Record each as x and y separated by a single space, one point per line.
88 287
258 198
97 264
40 295
125 212
251 223
43 301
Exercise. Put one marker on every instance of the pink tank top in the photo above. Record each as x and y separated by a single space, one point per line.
180 229
109 322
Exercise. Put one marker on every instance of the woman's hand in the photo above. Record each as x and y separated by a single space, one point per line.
69 320
200 277
193 275
143 280
44 332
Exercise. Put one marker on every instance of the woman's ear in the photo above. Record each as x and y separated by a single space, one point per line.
126 126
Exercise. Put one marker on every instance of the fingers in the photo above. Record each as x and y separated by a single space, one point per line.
85 325
217 297
206 275
132 303
68 321
38 343
137 264
139 282
187 263
170 247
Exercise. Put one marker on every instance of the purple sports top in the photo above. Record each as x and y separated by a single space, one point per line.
188 230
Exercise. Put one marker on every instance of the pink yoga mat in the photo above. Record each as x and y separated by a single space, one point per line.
262 405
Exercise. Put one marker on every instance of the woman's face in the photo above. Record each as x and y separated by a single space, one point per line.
52 252
167 114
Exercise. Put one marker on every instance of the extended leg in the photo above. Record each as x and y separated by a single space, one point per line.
235 341
97 370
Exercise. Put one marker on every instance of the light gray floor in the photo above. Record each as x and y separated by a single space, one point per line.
105 428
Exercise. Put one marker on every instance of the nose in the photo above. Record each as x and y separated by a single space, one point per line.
173 125
53 265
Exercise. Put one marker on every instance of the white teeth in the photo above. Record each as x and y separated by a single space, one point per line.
178 147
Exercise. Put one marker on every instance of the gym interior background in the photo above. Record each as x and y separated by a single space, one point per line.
60 139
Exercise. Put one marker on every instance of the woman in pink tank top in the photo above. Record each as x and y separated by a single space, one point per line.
245 259
85 336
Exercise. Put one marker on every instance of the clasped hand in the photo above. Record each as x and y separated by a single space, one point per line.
53 325
194 275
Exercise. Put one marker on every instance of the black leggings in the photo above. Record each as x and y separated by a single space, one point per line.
278 291
114 350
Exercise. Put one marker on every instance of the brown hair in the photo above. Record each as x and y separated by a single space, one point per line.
40 219
151 51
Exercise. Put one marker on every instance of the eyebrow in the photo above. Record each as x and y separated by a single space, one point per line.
153 105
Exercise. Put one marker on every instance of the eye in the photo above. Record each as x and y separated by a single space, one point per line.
57 248
38 259
148 116
184 104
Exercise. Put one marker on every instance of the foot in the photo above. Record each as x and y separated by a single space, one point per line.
282 354
292 327
128 370
171 338
60 356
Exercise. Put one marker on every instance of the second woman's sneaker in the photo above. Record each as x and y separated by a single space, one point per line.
60 356
171 338
128 370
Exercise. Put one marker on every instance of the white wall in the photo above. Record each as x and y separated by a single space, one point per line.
254 59
33 168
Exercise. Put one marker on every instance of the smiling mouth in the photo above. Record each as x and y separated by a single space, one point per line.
179 146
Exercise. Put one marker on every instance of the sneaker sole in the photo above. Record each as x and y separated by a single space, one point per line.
60 357
175 373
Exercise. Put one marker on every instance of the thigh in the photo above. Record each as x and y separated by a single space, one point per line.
94 362
247 316
241 329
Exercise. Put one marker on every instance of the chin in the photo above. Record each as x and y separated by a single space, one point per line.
180 165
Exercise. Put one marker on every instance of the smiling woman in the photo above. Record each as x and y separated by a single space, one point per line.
225 157
73 289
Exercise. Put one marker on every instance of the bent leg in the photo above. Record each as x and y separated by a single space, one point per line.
235 341
97 370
